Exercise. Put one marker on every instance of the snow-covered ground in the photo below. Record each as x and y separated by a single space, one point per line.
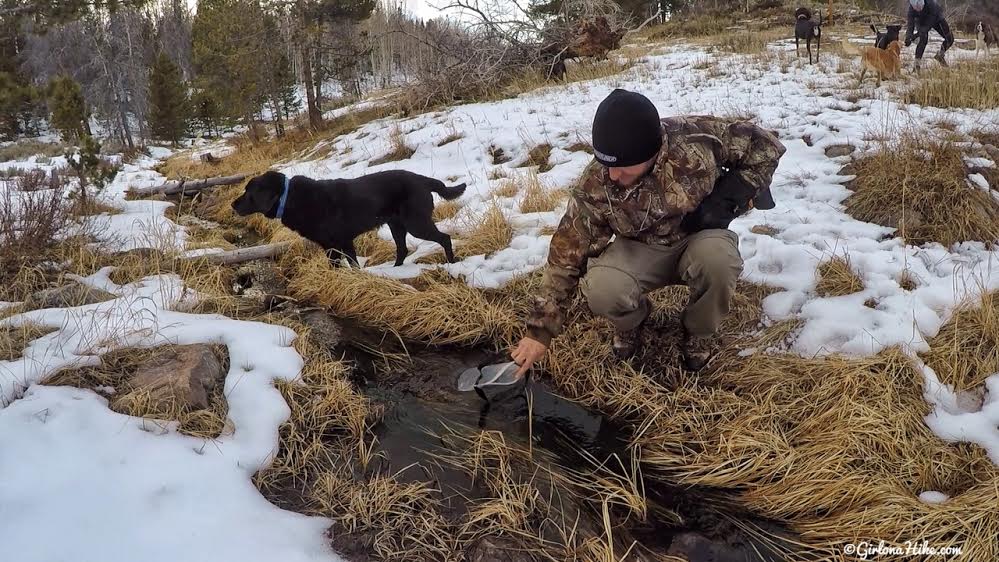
109 487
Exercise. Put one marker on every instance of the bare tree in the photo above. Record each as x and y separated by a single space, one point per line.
173 35
108 54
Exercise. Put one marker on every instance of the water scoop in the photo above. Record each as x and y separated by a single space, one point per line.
497 374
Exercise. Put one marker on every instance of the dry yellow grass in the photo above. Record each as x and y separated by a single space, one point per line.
751 42
490 232
13 339
584 70
837 278
966 351
919 186
484 233
970 84
399 149
444 210
845 462
539 198
375 248
907 281
539 156
506 188
256 158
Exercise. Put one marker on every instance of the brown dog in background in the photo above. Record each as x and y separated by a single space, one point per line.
885 62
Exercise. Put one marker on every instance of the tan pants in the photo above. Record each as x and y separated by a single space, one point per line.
708 262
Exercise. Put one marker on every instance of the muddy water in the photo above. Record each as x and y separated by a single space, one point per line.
422 403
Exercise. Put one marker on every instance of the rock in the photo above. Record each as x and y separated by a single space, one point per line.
838 150
323 328
75 294
183 376
261 276
494 549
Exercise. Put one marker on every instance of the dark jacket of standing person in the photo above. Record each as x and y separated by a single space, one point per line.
920 22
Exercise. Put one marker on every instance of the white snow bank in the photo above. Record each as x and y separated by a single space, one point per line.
161 495
86 484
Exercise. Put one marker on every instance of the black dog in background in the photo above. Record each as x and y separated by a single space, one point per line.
807 30
882 40
332 213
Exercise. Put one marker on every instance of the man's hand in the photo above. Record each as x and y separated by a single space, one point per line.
528 352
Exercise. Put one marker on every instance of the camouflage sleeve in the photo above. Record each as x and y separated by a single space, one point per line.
757 164
581 235
750 152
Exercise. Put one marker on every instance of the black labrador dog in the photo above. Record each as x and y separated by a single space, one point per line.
332 213
808 31
882 40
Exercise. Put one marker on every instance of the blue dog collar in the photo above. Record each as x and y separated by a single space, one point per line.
284 198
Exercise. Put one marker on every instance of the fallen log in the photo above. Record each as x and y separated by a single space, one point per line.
241 255
186 186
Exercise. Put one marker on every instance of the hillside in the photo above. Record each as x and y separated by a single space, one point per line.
855 401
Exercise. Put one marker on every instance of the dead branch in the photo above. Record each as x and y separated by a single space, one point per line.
245 254
646 22
186 186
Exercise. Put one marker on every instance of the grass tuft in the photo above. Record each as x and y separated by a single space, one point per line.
971 84
539 156
837 278
444 210
399 149
966 351
919 186
539 198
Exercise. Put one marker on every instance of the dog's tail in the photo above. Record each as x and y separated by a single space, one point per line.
803 13
874 29
449 192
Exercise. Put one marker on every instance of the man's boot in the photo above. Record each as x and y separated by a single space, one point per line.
916 65
940 58
698 351
626 343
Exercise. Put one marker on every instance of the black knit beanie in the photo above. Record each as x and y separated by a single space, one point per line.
626 130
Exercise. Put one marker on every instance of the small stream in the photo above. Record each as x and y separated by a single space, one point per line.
422 403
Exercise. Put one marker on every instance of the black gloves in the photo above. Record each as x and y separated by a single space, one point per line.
730 198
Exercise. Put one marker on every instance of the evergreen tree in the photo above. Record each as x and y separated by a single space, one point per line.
206 112
67 108
168 99
93 172
286 84
18 106
230 48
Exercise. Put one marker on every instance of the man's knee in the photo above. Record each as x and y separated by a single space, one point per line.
714 262
610 291
721 271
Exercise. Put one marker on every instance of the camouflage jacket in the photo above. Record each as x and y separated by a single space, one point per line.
696 152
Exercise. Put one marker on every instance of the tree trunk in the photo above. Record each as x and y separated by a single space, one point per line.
126 134
182 186
320 76
276 111
245 254
315 116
